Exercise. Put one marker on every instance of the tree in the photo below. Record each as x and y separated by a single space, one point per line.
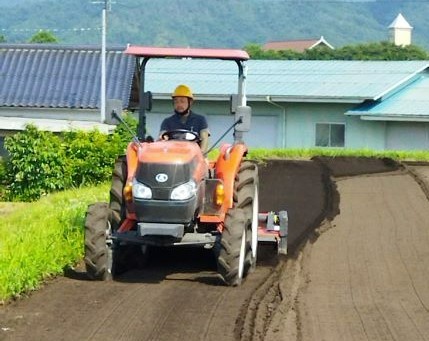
2 38
371 51
256 52
43 37
380 51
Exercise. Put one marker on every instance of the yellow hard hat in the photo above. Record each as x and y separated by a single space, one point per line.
182 90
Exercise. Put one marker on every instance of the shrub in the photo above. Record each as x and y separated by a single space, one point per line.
36 166
90 156
2 179
42 162
123 135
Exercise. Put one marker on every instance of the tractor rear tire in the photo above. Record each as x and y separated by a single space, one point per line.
117 202
246 197
98 255
234 247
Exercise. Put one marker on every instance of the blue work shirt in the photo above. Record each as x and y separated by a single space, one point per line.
194 122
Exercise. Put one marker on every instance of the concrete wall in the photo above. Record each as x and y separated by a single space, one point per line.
407 135
52 113
301 119
365 134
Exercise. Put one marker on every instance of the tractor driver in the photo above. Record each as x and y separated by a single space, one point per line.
184 117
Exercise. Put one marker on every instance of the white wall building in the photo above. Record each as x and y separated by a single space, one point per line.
400 31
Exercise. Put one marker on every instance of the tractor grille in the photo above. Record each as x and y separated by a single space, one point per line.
177 174
161 193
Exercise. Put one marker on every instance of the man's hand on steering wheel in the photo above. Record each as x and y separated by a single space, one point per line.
181 135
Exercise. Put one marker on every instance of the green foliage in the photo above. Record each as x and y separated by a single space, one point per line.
90 156
2 179
46 238
2 170
371 51
308 153
43 37
42 162
37 164
380 51
123 134
2 38
255 51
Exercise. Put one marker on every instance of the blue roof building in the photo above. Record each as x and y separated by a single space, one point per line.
303 104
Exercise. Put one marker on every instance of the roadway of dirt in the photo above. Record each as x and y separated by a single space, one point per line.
357 269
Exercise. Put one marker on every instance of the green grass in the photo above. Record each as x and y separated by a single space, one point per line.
307 153
39 240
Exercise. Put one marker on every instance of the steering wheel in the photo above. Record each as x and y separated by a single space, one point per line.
181 134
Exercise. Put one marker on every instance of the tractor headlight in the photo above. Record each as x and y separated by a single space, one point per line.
141 191
184 191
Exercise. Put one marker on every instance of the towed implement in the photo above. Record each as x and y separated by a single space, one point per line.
166 193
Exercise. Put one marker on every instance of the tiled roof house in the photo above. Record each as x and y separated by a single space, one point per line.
297 45
58 86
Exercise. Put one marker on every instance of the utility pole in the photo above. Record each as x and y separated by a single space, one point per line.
103 61
106 7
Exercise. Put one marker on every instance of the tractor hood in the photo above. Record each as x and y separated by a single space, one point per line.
165 165
170 152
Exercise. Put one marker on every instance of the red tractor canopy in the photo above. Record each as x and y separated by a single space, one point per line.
179 52
145 53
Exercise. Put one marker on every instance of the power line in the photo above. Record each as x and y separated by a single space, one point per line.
350 1
75 29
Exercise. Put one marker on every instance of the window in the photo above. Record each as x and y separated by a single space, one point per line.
330 135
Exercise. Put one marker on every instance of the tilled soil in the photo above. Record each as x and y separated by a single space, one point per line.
365 277
357 269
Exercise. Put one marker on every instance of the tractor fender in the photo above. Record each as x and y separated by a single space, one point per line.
132 159
226 168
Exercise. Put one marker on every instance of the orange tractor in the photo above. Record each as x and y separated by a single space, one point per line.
166 193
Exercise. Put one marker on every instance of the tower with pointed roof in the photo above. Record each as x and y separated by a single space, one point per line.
400 31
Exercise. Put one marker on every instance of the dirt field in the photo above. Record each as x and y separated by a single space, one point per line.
357 270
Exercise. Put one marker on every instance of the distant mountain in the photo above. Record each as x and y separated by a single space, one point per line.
213 23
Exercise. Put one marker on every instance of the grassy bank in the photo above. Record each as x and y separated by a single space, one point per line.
305 153
38 240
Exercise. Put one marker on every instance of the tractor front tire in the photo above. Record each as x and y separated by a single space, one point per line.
98 254
234 247
117 202
246 197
